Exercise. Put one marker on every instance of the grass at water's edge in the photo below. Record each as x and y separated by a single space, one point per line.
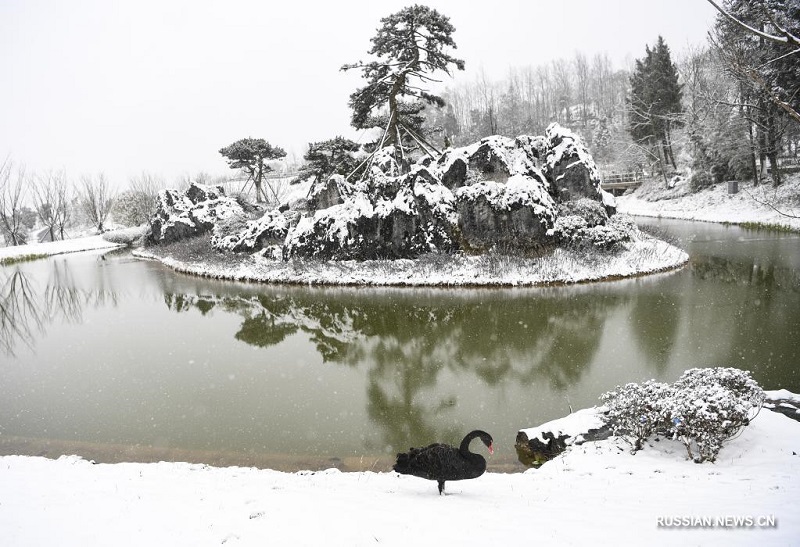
24 258
196 257
765 227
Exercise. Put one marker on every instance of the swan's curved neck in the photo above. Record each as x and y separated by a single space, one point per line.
464 448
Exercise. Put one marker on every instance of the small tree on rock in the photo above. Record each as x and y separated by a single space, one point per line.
325 158
251 156
410 45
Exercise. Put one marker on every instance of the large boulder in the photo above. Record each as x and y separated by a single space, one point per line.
191 213
569 166
514 215
397 219
269 230
493 158
329 192
473 198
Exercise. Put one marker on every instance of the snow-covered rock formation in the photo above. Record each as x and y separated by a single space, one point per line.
499 193
193 212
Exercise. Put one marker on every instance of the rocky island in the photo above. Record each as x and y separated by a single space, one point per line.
535 201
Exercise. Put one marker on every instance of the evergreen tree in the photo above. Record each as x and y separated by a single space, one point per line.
251 156
758 42
325 158
410 45
655 101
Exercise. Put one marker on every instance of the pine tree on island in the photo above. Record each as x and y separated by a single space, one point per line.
410 46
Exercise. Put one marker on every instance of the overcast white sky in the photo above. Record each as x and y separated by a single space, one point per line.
161 85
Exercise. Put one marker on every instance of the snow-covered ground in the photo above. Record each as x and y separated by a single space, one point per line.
595 493
49 248
564 266
763 204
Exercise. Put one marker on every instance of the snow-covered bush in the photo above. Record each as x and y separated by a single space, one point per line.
710 406
590 210
703 417
133 208
740 382
636 411
582 229
703 409
700 180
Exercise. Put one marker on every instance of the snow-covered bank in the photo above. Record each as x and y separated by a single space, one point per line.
564 266
593 493
714 204
50 248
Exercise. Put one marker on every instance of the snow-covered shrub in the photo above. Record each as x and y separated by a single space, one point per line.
636 411
704 416
590 210
133 208
703 409
575 230
568 229
700 180
740 382
605 237
711 406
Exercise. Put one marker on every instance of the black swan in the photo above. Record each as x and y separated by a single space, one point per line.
442 462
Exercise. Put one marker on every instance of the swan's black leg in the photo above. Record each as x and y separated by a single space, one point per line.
441 487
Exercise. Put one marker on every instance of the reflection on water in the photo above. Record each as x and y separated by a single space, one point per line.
26 309
406 342
124 359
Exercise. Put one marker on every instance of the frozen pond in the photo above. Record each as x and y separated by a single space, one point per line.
117 359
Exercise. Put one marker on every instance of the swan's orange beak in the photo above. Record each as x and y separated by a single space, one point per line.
491 448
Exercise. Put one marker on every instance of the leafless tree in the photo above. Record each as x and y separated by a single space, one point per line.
96 199
582 85
137 204
13 190
562 78
64 198
51 202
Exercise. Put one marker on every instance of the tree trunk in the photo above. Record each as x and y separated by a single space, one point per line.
257 180
774 168
772 149
753 153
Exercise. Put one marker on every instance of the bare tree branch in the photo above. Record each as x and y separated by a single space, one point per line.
786 38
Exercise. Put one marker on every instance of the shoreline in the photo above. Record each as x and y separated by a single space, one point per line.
763 206
643 257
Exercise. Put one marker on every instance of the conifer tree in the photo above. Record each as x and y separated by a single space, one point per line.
325 158
251 156
655 101
410 46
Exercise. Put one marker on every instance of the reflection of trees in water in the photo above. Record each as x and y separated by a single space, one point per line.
26 311
262 330
19 312
762 303
746 271
407 342
655 319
